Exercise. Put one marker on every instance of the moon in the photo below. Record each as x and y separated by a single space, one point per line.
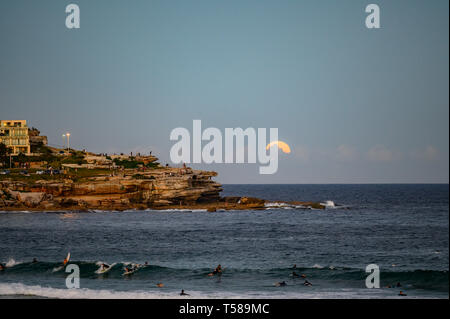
281 145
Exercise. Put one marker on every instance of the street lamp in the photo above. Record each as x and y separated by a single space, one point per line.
64 140
68 141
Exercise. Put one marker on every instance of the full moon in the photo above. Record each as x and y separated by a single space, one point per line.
281 145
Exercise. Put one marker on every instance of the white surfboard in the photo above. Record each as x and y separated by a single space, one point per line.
129 272
102 270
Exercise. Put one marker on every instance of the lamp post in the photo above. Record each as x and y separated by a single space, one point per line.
68 141
64 140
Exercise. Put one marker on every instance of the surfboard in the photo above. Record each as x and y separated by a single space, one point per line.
64 263
104 270
129 272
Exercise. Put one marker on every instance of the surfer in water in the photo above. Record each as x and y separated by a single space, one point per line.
66 260
128 270
104 266
34 261
2 267
401 293
217 271
295 275
182 293
281 284
307 283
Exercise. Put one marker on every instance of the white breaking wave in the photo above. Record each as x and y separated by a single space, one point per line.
329 204
19 289
317 266
85 293
275 205
176 210
11 263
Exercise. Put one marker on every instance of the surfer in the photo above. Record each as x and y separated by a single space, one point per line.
303 276
34 261
182 293
66 260
281 284
401 293
295 266
398 285
218 270
104 266
159 285
2 267
307 283
294 274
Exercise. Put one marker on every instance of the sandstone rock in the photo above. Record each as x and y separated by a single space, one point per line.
162 202
231 199
251 201
13 194
68 202
47 205
31 199
9 203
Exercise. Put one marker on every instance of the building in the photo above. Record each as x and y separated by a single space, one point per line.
14 134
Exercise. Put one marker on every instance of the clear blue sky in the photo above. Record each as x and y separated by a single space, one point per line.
355 105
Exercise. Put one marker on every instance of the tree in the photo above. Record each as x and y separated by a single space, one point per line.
21 158
4 154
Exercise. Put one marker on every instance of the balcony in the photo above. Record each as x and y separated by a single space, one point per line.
13 124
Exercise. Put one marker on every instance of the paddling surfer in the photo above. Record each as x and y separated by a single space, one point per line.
218 270
182 293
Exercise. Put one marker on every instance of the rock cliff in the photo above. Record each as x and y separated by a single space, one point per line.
156 188
161 188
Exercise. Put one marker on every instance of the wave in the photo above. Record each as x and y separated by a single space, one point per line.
329 204
19 290
11 263
420 279
276 205
177 210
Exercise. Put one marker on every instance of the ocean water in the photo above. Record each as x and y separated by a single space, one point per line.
404 229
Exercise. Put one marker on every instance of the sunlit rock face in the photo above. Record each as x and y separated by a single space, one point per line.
162 187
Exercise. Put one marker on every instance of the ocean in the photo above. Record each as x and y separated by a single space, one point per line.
403 229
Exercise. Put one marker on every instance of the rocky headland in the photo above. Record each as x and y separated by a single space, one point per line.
52 179
157 188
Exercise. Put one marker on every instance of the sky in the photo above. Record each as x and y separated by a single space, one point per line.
356 105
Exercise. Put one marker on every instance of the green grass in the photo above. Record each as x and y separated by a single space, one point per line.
79 175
